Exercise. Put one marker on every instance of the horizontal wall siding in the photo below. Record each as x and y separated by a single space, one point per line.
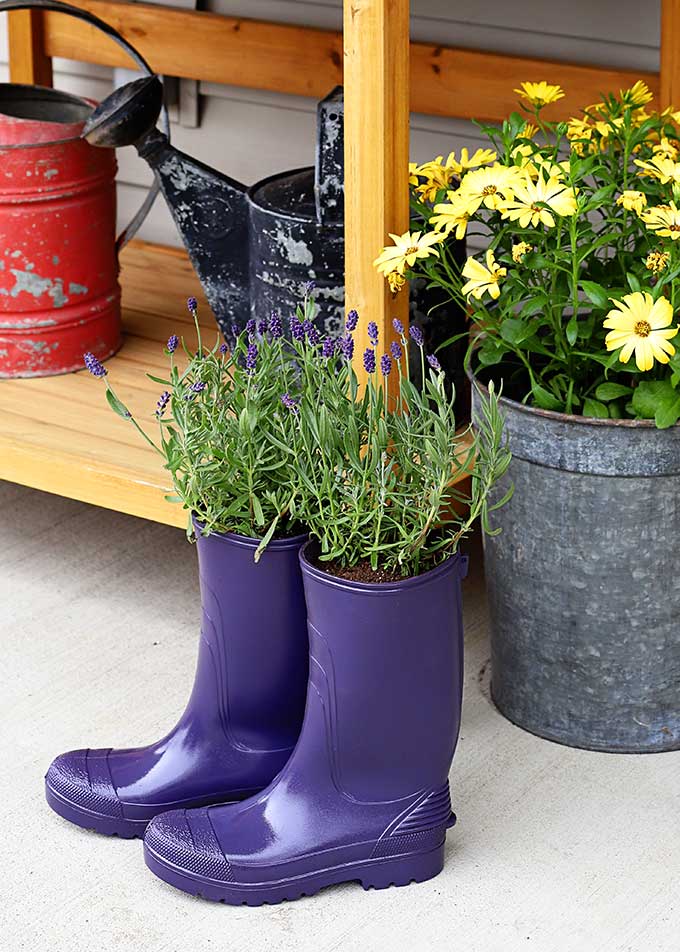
250 134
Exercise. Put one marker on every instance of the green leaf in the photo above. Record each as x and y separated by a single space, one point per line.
596 293
657 400
633 282
515 331
544 399
257 509
572 330
593 408
117 406
612 391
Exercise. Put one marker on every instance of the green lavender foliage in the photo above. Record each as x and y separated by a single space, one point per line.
277 436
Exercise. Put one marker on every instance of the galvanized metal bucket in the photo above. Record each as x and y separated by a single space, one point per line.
582 582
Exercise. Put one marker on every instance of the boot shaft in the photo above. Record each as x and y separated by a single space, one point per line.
253 653
386 661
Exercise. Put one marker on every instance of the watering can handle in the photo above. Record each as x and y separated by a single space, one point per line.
55 6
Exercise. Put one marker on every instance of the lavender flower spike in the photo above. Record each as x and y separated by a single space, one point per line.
309 287
162 403
385 365
369 360
251 358
372 330
223 349
173 343
416 335
346 345
352 320
262 326
398 326
96 368
433 362
198 386
250 326
297 329
328 349
275 325
396 350
192 304
313 336
289 403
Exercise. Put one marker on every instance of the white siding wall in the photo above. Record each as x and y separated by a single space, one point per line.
251 134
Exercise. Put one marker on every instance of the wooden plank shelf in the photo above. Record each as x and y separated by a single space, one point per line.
59 435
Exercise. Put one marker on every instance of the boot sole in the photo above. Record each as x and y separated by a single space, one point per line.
97 822
372 874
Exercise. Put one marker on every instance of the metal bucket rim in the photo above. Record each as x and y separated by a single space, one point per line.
269 209
56 95
571 418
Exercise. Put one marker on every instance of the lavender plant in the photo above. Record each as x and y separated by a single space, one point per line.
377 479
219 424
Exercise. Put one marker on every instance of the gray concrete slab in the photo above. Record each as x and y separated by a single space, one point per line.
556 850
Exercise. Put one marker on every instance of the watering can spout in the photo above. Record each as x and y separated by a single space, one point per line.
209 208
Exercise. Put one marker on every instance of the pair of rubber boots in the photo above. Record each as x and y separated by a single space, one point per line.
317 741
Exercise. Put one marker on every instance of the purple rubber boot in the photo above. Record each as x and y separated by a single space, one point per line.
245 711
365 795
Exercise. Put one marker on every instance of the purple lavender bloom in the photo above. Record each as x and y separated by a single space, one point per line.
275 325
234 330
369 360
262 326
313 336
251 358
310 286
289 403
192 304
198 386
372 330
96 368
433 362
416 335
385 365
396 350
250 327
297 329
398 326
346 345
352 320
223 349
162 403
173 343
328 349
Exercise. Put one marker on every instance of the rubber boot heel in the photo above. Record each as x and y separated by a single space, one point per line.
404 869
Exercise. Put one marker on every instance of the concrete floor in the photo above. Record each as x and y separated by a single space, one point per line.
556 850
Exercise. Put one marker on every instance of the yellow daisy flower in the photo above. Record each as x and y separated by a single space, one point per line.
641 325
535 203
405 250
663 219
661 168
466 161
656 261
579 133
413 173
520 251
539 94
396 281
665 149
491 186
451 216
637 95
632 201
437 177
482 278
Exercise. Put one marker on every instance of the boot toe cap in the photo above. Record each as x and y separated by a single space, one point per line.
186 840
82 778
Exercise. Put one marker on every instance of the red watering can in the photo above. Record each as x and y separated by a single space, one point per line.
59 292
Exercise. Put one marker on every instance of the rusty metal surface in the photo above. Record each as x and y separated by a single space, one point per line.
582 582
59 293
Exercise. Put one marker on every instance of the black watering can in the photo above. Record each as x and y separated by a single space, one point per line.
254 249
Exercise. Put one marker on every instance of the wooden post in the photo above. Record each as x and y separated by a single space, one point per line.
670 53
27 60
376 80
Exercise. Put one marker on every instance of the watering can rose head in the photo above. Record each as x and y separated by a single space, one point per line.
277 436
576 296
